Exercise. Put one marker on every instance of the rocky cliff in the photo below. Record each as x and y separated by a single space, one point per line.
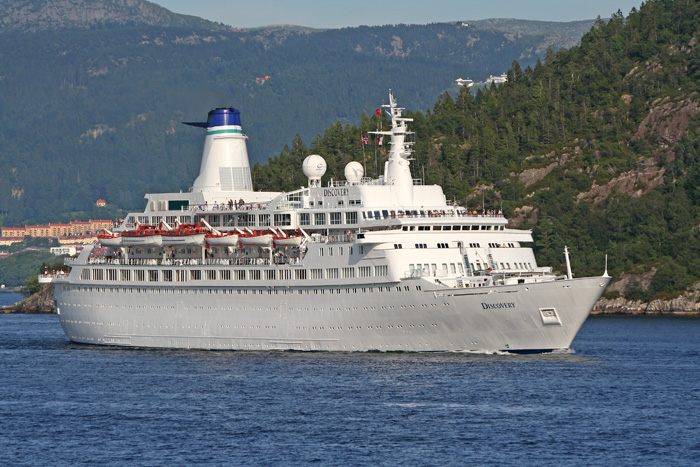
39 303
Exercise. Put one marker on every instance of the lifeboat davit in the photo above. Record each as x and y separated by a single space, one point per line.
222 239
145 235
185 235
256 239
111 239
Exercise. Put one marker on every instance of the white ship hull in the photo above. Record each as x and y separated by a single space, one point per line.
385 264
502 318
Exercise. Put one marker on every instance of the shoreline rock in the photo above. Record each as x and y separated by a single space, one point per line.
39 303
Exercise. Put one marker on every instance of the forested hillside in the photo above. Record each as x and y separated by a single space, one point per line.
92 93
596 147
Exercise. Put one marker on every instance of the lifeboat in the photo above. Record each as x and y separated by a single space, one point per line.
257 238
222 239
185 235
291 240
110 239
145 235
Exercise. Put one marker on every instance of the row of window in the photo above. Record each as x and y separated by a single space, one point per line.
410 228
265 291
305 218
432 268
183 275
516 266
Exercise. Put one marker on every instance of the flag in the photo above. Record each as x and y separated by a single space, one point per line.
365 139
380 141
379 112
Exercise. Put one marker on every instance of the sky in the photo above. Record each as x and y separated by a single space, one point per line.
349 13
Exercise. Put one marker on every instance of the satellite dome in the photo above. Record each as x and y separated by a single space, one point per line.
354 171
314 168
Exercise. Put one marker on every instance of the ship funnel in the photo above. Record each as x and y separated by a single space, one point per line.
225 165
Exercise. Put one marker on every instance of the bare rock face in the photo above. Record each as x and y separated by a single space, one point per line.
39 303
668 119
619 306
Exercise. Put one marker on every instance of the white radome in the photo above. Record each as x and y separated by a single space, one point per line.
314 167
354 171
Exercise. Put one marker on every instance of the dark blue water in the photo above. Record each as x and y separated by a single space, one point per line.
629 395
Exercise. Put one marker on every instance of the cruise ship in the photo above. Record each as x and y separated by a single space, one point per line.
359 264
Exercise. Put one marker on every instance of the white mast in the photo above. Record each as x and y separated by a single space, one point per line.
397 171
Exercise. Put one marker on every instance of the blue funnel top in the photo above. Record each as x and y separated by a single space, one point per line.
222 116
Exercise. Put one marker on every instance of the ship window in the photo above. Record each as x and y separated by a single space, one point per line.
300 274
460 267
254 274
381 270
453 268
214 221
195 275
152 275
447 227
210 274
336 218
139 275
304 218
332 273
125 275
377 215
348 272
404 228
225 275
351 217
320 252
444 266
264 220
385 214
317 273
365 271
228 220
168 275
283 220
475 227
437 227
269 274
239 275
319 218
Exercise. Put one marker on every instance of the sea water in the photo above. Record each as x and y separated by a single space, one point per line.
628 394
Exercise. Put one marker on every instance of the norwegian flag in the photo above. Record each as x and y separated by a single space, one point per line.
380 141
365 139
378 112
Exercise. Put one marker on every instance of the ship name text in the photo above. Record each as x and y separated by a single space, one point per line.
335 192
497 306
